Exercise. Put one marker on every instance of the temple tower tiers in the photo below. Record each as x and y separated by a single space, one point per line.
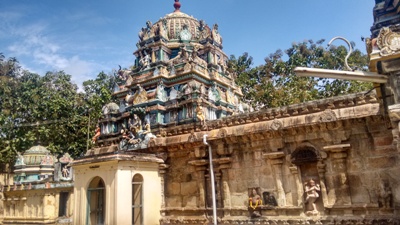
180 76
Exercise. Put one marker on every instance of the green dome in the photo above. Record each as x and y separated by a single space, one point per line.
35 155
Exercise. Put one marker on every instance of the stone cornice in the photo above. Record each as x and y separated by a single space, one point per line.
327 114
117 156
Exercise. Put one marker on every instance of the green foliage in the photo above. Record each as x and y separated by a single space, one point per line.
275 84
48 109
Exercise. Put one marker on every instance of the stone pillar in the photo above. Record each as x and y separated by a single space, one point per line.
276 161
210 57
153 55
162 169
299 186
200 168
224 166
338 155
321 173
218 189
161 54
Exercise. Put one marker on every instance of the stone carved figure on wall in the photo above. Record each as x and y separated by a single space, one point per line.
146 127
149 30
200 114
230 96
311 192
384 194
215 34
97 134
139 96
135 137
163 28
145 61
203 30
65 172
123 77
160 92
185 34
255 202
142 33
269 199
135 123
129 138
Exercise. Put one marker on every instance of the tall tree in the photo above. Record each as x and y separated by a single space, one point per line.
46 108
275 84
98 92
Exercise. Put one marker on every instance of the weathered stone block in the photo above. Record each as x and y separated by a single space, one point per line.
239 200
382 162
189 188
173 188
174 201
190 201
383 141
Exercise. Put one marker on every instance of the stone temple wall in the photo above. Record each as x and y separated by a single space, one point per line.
348 153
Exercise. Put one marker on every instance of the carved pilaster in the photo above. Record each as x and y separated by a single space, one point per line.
200 168
218 189
162 169
276 161
341 189
299 187
224 166
321 172
394 115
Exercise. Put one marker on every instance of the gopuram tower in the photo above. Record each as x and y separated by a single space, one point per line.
180 148
180 76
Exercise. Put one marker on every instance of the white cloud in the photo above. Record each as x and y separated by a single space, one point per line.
43 52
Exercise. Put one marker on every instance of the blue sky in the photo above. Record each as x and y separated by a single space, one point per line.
85 37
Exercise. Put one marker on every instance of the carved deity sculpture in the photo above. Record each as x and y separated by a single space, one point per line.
215 34
255 202
146 127
135 123
311 191
97 135
204 30
160 92
142 33
163 28
200 114
185 34
145 61
65 172
139 96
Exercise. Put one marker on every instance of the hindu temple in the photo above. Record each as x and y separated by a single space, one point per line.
181 148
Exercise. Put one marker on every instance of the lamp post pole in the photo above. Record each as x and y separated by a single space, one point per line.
214 202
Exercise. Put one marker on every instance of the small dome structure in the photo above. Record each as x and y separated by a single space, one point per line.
180 27
36 164
35 155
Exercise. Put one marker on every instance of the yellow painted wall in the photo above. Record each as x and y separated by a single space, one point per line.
117 176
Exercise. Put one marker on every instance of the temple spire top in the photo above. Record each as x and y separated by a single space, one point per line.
177 6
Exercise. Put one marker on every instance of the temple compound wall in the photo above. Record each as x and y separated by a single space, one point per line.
41 190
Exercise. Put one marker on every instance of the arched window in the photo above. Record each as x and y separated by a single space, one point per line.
137 200
96 206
